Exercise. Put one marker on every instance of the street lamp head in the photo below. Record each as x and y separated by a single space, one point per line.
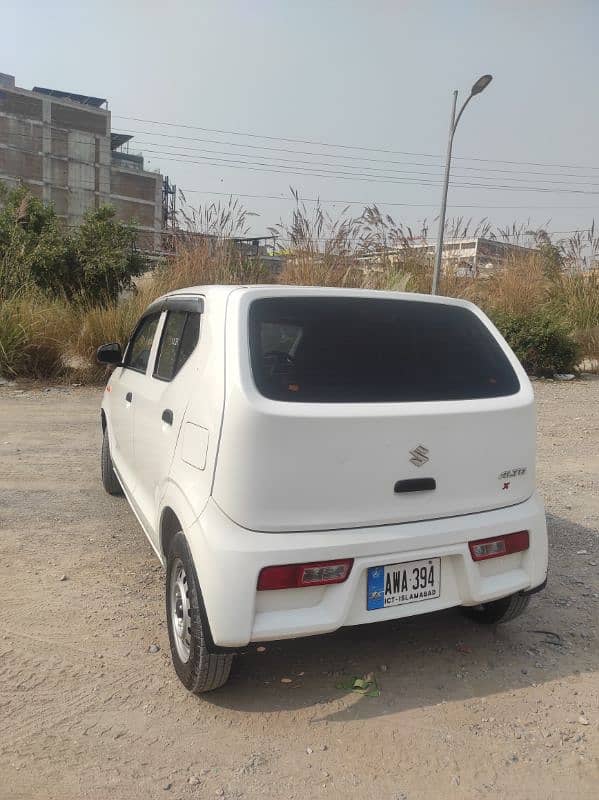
481 84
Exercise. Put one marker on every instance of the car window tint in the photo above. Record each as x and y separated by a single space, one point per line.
190 337
179 338
138 352
169 345
367 350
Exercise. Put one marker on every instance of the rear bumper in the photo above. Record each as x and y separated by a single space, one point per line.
229 558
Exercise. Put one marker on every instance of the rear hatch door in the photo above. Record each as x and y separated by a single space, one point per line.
364 411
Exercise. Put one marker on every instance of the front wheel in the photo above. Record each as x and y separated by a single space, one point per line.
496 611
199 669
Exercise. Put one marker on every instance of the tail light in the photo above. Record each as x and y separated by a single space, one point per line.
499 545
297 576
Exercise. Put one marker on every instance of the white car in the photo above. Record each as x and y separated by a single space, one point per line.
306 458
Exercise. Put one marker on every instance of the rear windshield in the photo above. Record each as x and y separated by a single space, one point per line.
366 350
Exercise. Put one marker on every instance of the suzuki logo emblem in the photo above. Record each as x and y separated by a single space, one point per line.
419 455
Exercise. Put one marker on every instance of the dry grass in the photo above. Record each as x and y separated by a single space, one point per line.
50 338
34 332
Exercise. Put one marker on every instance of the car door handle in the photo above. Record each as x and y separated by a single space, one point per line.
416 485
167 416
129 397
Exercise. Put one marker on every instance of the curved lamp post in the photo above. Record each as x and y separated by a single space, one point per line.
480 85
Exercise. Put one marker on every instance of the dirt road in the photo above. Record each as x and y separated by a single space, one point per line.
87 711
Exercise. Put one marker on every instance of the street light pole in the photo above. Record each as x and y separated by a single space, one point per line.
478 87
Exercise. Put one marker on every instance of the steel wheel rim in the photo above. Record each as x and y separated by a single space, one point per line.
180 610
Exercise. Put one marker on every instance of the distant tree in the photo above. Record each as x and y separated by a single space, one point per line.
105 255
92 263
551 254
33 246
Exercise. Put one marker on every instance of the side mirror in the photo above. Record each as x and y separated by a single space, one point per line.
110 354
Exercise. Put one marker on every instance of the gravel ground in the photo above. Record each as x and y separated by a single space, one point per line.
90 706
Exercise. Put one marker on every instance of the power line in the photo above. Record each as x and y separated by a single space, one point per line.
345 146
480 176
317 171
370 202
346 156
259 166
351 166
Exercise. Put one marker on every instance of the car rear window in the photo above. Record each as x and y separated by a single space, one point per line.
369 350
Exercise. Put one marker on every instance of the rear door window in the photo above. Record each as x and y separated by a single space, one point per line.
179 338
367 350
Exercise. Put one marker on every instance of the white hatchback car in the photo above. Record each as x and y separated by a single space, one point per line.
307 458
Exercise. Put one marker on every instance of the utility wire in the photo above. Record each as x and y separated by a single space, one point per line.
172 147
345 146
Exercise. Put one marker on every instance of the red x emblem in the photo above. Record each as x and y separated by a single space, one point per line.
506 485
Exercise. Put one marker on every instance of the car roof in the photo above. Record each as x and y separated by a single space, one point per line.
222 291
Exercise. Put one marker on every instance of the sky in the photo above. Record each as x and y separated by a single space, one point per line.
189 77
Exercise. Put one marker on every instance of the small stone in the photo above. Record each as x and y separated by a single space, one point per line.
582 552
63 578
154 648
309 751
323 747
193 780
524 671
583 720
167 786
592 563
456 780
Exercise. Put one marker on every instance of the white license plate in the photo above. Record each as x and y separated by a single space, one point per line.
398 584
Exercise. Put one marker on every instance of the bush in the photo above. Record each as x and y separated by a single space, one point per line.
543 345
93 264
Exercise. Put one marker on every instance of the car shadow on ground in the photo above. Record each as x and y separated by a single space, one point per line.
427 659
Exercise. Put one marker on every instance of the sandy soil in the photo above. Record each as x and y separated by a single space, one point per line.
87 711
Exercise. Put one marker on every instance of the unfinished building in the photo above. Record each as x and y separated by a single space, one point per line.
61 146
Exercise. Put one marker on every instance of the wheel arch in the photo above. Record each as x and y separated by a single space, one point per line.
169 527
103 419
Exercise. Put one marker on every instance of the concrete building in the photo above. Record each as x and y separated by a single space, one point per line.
469 257
61 146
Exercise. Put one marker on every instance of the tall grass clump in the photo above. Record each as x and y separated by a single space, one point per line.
545 300
34 330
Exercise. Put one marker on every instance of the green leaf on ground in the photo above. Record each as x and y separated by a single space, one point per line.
366 685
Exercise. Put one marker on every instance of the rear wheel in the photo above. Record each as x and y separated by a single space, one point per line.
503 610
110 482
199 669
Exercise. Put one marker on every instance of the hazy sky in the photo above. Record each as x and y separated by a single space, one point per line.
373 74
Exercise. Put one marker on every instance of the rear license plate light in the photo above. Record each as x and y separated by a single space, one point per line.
499 545
297 576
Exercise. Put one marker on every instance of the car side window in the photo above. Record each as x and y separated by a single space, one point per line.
191 334
179 338
169 345
138 352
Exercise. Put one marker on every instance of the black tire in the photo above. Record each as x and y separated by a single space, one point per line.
110 482
203 670
503 610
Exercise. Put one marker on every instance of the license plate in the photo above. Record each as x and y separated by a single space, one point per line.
399 584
